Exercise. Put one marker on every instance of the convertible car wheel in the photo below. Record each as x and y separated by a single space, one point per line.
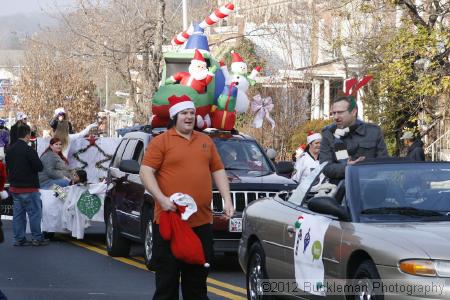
116 244
365 273
256 270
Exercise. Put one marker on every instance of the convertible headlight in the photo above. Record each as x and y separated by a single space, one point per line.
423 267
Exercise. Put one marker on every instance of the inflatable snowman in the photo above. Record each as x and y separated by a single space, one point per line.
241 80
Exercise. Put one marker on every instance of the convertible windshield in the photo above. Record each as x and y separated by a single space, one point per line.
402 191
243 157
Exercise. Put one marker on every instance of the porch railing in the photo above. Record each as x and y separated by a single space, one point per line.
440 149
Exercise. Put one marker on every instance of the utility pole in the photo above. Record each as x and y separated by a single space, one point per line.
185 15
106 89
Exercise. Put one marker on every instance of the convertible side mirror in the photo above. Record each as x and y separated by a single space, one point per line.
328 206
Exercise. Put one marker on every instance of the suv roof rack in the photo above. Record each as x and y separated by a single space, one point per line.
158 130
215 130
136 128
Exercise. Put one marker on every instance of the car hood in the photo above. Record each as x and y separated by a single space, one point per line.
431 237
240 177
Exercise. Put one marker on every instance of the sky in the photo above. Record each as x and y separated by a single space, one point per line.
9 7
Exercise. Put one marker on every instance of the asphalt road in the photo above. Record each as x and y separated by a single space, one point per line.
81 269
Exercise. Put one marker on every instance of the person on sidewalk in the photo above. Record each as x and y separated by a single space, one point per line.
182 160
60 118
415 146
23 165
21 119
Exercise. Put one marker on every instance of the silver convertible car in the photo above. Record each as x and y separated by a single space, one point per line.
383 232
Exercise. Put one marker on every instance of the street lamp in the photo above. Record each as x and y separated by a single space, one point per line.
106 81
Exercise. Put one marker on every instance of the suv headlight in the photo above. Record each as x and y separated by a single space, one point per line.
426 267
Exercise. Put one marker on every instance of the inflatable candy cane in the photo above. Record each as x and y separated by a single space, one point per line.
216 16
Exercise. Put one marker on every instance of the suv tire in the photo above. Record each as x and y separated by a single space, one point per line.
116 244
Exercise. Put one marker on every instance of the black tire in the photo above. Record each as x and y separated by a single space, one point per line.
116 244
256 270
148 243
365 273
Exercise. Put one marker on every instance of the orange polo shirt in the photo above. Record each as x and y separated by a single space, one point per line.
185 166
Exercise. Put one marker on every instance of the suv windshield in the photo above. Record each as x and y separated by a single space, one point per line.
402 192
243 156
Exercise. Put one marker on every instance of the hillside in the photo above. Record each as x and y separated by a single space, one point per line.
15 28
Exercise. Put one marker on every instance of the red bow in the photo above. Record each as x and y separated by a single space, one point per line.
352 85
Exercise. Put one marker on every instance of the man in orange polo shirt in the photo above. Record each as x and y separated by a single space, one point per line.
182 160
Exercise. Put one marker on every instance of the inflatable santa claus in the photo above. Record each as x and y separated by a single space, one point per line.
198 77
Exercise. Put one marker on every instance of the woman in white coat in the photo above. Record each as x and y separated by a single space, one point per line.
309 160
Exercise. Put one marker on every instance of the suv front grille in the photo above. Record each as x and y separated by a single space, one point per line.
240 199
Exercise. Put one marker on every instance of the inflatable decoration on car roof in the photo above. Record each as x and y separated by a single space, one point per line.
196 58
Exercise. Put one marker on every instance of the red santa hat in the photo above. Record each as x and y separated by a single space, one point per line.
184 243
237 62
178 104
312 136
198 58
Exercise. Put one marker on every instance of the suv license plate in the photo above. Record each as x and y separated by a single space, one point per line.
235 225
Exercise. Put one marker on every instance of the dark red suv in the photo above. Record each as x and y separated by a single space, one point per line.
129 207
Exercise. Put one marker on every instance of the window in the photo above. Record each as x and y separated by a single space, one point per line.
129 150
118 156
138 151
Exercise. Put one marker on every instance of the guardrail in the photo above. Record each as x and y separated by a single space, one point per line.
437 148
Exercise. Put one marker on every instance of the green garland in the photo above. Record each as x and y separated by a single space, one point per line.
98 164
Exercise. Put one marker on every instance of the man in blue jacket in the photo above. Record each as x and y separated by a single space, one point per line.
23 165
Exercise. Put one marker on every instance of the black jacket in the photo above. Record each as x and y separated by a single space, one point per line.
415 151
54 124
364 139
23 165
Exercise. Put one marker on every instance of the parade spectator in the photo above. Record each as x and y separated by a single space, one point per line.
3 193
56 167
4 134
309 159
183 160
348 140
21 119
23 165
415 146
60 119
79 176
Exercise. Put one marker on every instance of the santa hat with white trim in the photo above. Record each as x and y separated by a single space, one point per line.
178 104
198 59
237 65
312 136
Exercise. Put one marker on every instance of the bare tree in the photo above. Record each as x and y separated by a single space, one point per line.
123 36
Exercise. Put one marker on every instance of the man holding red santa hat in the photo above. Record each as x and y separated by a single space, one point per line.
184 161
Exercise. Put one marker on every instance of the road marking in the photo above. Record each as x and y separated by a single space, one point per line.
98 248
225 294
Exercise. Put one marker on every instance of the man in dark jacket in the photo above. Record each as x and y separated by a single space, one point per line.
21 119
23 166
415 146
349 140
